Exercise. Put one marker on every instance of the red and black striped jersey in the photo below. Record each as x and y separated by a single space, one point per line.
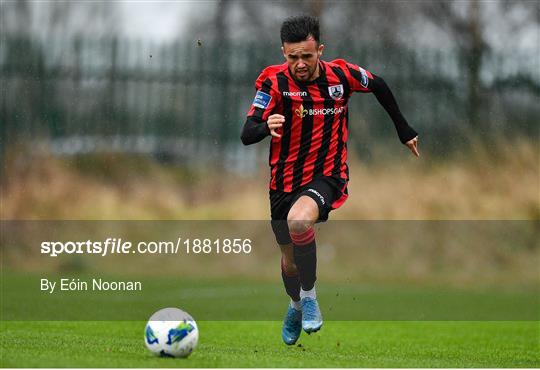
313 140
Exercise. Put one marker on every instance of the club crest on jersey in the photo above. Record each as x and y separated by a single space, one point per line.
261 100
336 91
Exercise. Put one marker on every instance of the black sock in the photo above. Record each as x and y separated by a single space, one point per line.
305 257
292 286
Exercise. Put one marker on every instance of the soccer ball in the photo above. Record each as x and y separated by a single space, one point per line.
171 332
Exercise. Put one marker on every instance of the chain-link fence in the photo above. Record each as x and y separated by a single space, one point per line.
188 100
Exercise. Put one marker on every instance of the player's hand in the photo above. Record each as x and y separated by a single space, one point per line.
274 122
413 146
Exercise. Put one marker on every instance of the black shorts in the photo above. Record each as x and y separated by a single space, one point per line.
323 190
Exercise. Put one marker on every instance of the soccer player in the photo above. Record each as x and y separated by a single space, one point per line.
302 105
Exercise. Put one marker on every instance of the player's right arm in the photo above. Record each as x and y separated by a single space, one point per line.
260 121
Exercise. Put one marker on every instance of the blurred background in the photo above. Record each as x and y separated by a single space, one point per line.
132 110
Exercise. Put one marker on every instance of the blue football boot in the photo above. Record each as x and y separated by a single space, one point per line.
292 326
311 315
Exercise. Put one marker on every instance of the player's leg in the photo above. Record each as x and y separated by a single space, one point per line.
300 220
292 324
280 204
289 273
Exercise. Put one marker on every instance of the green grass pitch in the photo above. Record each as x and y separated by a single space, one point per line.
258 344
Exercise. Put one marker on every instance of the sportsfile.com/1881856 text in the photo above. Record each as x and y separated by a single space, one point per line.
112 246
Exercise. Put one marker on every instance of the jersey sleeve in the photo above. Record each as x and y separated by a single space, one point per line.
265 100
359 78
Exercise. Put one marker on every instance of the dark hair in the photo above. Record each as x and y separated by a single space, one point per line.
299 28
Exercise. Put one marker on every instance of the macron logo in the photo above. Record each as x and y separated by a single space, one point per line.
317 194
294 93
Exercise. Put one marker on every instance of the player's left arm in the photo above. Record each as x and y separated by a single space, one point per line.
406 133
364 81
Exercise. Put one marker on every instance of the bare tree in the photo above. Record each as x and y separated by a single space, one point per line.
466 28
467 25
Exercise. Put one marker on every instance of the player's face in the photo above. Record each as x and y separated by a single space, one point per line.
303 59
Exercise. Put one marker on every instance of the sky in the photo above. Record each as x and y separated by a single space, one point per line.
155 20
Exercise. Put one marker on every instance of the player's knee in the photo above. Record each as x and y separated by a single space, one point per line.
298 222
